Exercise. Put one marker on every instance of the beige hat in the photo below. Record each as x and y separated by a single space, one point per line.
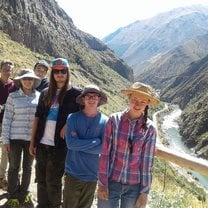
143 90
29 74
92 89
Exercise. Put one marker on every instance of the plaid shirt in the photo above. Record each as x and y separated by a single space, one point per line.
128 152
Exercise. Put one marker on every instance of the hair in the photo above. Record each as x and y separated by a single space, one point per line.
52 88
6 62
144 125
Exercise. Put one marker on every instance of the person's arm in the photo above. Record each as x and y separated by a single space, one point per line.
39 111
104 162
74 142
7 122
63 132
147 160
32 147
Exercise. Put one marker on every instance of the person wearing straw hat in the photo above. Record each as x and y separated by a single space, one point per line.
126 159
16 132
84 136
47 143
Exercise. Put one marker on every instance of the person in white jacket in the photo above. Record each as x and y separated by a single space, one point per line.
16 132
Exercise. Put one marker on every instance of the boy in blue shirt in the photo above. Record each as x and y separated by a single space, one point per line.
84 138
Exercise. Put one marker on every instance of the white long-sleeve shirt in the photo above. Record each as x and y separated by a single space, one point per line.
18 116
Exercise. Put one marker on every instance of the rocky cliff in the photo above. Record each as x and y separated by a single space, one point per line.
44 27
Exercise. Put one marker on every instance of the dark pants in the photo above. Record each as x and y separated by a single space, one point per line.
19 188
49 171
78 194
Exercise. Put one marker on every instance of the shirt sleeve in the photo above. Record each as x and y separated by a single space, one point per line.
147 160
39 108
103 171
90 145
7 120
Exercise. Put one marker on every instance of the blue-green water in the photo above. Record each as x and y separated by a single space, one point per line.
170 127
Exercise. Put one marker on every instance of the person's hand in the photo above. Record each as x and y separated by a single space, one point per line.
141 201
32 150
7 148
63 131
102 193
2 108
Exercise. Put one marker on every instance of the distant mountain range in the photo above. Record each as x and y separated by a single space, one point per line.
170 66
143 42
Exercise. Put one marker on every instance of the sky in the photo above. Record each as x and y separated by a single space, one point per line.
102 17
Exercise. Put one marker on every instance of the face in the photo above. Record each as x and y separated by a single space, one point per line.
137 104
60 75
40 71
27 83
6 70
91 100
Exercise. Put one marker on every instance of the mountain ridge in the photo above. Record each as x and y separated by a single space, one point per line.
33 22
140 41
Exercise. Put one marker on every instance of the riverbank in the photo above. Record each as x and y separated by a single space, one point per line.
164 140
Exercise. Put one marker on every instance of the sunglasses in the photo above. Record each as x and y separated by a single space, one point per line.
62 71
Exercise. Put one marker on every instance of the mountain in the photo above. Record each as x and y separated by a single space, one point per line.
143 41
181 75
169 66
44 27
189 91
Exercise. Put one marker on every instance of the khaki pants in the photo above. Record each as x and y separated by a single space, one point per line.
78 194
4 159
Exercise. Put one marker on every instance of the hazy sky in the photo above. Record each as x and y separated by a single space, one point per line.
102 17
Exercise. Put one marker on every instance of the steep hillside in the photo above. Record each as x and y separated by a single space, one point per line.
164 70
44 27
109 80
189 90
141 42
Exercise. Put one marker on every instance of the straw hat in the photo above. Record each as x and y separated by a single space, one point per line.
144 91
92 89
29 74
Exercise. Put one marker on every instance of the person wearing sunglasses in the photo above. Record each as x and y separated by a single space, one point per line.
127 154
84 138
47 144
16 132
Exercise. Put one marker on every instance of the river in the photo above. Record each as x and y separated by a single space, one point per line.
171 130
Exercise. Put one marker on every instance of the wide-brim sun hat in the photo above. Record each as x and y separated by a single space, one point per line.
60 63
27 73
92 89
144 91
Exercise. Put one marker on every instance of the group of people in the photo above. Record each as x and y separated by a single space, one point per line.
61 126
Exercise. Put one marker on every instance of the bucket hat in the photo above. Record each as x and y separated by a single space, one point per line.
144 91
27 73
60 63
92 89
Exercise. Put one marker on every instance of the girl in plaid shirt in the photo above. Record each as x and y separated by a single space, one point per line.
128 150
